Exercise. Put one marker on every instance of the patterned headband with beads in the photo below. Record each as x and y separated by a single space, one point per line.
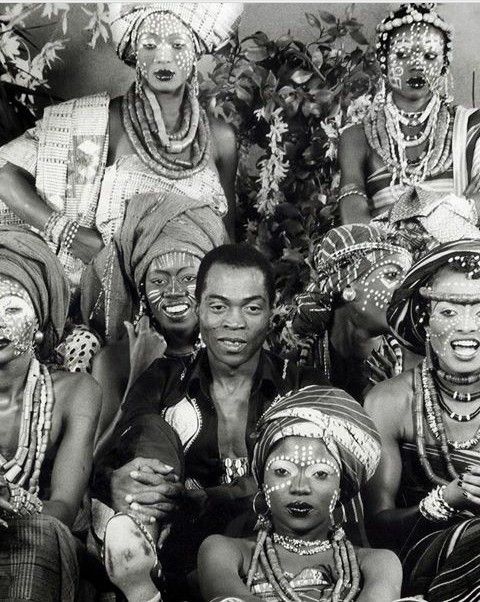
407 314
407 14
212 23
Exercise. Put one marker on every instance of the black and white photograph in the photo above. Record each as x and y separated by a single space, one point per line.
239 301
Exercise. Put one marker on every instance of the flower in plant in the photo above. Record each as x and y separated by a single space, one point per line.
358 108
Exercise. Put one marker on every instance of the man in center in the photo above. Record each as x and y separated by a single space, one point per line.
193 425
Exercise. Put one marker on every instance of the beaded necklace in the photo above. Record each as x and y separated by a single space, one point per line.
143 122
301 546
454 394
383 130
36 422
457 417
346 587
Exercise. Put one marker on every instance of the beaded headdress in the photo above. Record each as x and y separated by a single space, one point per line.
407 14
408 312
328 414
212 23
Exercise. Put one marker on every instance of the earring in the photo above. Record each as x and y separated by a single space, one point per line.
194 85
263 514
331 507
38 338
138 79
428 351
142 310
349 294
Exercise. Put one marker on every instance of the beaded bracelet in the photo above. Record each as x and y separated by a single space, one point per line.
433 507
69 234
351 192
23 502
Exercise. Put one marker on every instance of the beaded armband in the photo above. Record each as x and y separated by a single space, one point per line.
23 502
433 507
68 235
349 192
54 228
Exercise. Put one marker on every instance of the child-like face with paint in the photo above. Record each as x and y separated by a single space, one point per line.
415 60
165 52
170 291
301 485
455 327
18 322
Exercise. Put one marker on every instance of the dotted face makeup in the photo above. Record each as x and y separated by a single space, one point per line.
18 322
381 280
416 57
166 47
282 469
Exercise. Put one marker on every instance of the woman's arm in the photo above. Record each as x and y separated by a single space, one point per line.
382 576
18 192
79 398
352 158
220 564
226 161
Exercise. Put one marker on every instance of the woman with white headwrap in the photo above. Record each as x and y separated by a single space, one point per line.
71 176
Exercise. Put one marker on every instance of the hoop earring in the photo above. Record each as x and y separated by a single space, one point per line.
349 294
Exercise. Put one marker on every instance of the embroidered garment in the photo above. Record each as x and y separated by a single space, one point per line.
66 154
466 164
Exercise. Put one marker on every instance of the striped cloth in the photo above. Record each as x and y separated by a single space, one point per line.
38 561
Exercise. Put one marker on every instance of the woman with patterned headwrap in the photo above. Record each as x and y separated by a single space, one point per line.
314 448
47 424
412 135
147 274
424 499
356 268
70 176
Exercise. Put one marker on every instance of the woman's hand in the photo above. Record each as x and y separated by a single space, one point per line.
464 493
145 346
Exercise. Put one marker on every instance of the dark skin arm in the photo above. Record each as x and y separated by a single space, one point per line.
20 195
226 162
352 157
382 575
81 399
221 561
390 406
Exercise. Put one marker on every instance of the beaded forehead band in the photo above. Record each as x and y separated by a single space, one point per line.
462 298
357 252
412 15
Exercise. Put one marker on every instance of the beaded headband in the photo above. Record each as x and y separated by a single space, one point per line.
355 252
412 13
464 298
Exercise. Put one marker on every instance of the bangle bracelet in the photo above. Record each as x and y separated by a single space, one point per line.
68 235
23 502
433 507
350 193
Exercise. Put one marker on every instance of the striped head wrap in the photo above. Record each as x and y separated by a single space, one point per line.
26 258
211 23
408 311
325 413
343 256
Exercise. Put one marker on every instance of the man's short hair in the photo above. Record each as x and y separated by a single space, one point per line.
238 255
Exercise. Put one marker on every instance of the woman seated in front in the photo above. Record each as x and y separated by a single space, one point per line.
315 448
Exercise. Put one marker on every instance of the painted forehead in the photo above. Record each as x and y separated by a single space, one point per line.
180 259
10 287
451 280
419 34
164 24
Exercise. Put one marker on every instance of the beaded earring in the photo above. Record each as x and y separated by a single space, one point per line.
194 85
349 294
428 351
142 310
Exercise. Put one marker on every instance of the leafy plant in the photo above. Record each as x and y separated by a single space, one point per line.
288 100
24 65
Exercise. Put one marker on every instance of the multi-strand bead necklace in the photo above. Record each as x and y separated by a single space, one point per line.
36 422
428 404
159 150
384 128
265 555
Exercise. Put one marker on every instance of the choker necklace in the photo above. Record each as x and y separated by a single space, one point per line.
457 417
457 379
456 395
301 546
